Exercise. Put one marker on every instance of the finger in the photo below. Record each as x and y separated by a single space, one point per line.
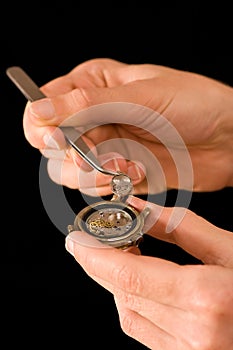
103 72
65 172
199 321
42 136
109 161
87 74
197 236
71 172
143 330
191 289
114 162
86 85
64 108
108 286
148 277
134 324
109 72
171 321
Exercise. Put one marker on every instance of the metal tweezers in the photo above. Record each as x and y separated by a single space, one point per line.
32 93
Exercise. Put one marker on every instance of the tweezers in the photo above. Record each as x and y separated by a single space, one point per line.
32 93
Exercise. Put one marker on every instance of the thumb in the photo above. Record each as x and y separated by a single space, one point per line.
194 234
116 104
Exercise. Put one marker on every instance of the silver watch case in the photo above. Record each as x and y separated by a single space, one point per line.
113 223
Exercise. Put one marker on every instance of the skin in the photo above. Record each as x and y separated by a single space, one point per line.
200 109
160 304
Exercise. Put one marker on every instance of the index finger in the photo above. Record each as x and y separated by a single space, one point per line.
194 234
87 74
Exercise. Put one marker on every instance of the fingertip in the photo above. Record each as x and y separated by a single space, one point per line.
42 109
80 239
113 161
69 245
54 138
136 171
136 202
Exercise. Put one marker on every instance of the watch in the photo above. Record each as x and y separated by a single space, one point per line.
113 222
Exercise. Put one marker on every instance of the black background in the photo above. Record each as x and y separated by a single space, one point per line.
46 298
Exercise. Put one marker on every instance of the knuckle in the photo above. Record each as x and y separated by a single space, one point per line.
213 306
206 338
203 343
128 323
81 97
128 279
201 297
208 298
127 300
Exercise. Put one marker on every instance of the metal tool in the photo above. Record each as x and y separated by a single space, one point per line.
32 92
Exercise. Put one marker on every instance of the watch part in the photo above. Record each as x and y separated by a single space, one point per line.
111 222
121 185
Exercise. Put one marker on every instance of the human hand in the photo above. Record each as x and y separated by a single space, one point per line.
199 108
161 304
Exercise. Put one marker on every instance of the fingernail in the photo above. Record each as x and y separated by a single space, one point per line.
50 142
69 245
84 239
136 171
78 161
43 109
112 161
116 164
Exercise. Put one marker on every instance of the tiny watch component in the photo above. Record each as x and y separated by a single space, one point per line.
121 185
113 222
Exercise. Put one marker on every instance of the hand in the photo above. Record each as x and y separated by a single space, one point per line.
161 304
199 108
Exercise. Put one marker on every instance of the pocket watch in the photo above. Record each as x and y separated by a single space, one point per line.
113 222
